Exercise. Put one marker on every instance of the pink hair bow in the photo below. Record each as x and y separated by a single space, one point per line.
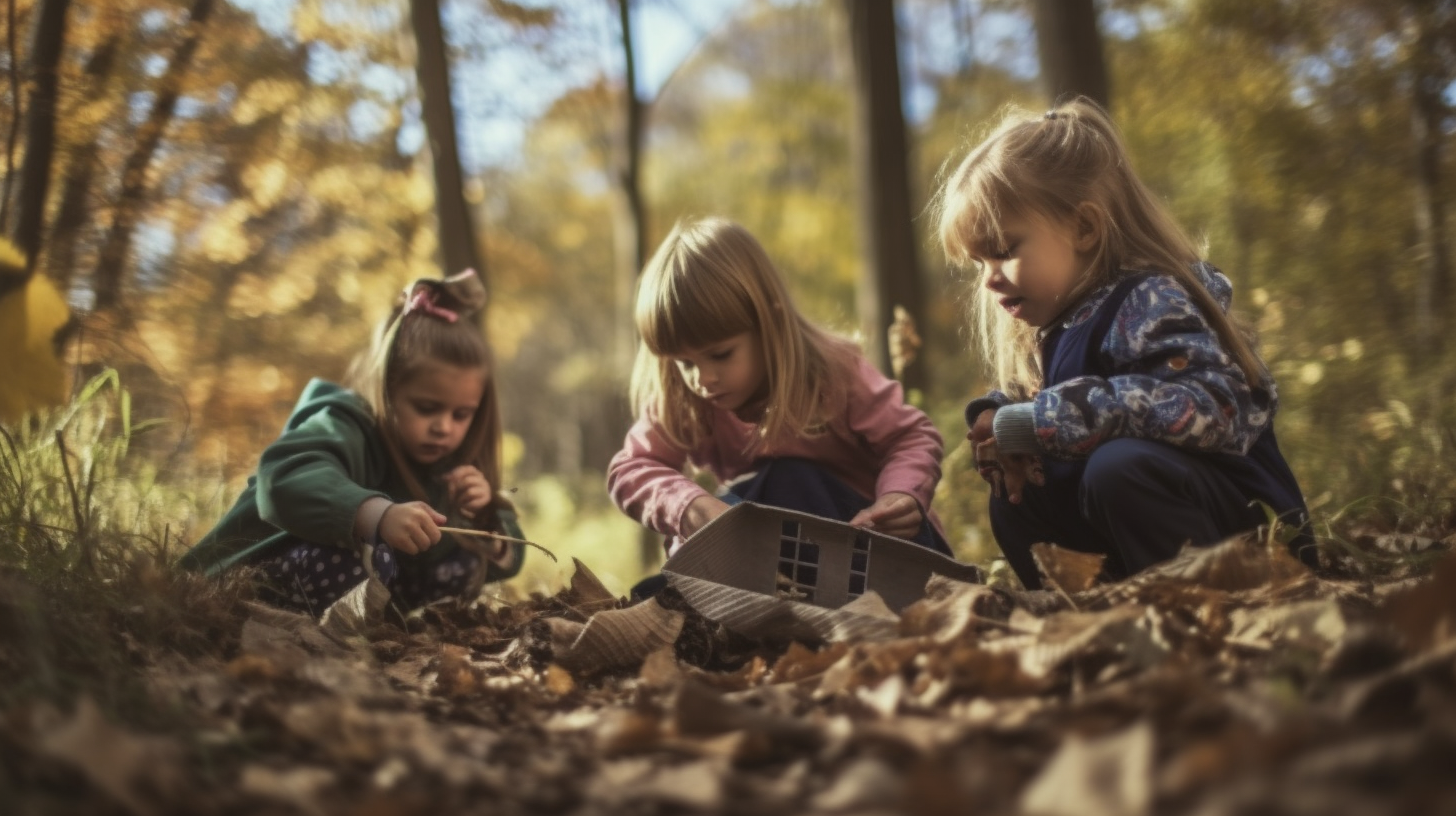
423 300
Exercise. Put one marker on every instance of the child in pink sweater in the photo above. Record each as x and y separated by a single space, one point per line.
731 378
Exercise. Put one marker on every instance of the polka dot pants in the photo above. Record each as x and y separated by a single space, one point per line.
310 577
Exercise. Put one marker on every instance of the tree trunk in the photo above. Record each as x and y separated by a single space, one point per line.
432 65
891 273
1433 286
630 218
116 250
13 132
74 211
1071 49
631 233
40 128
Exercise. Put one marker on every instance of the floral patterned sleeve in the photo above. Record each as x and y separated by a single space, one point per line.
1173 383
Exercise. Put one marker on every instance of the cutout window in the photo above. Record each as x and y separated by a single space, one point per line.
798 564
859 565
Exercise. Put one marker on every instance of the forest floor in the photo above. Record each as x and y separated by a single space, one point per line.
1232 680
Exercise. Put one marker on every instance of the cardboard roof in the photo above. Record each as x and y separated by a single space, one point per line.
774 573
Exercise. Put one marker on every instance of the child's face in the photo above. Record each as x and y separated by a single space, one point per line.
729 373
434 408
1037 267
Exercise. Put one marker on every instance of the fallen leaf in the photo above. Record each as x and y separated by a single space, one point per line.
1100 776
130 769
1067 570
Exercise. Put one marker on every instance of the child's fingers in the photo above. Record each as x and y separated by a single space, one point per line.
460 472
896 511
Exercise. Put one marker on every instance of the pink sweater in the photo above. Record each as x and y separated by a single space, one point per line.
875 443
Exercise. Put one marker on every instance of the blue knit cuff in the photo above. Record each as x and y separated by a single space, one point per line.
1015 429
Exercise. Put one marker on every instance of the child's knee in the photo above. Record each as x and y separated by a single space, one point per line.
1122 473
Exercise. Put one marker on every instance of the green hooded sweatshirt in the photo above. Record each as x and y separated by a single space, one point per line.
310 483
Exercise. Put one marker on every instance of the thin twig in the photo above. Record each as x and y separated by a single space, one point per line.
486 534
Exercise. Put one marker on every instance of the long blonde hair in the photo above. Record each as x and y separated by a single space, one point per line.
1063 166
711 280
411 337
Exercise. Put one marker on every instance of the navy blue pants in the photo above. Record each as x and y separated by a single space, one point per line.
1137 502
310 577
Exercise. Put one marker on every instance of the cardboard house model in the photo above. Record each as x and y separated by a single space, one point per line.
769 572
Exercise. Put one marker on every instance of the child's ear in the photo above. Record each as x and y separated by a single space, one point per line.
1088 226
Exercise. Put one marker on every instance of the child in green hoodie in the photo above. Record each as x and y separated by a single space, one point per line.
362 479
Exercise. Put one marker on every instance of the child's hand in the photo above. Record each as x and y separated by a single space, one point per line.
981 431
894 514
1008 474
469 490
410 527
703 510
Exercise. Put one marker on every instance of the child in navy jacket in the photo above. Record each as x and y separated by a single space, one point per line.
1132 416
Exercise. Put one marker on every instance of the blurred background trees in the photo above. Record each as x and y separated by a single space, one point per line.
240 186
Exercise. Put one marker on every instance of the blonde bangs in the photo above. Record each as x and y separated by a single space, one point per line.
711 280
680 310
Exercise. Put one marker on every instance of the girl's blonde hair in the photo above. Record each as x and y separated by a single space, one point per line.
711 280
419 331
1068 166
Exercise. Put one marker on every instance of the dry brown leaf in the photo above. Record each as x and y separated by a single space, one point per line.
621 638
1100 776
625 731
867 785
358 609
696 785
800 662
1425 614
300 787
587 594
1067 570
131 769
558 681
952 609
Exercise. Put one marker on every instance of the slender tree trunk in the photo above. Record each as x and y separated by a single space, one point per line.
432 64
74 210
1433 286
630 217
631 231
40 128
116 250
892 271
1071 49
13 134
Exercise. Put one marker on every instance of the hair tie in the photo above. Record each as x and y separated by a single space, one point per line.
423 300
1050 115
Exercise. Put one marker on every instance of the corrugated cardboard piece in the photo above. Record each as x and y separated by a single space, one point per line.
769 572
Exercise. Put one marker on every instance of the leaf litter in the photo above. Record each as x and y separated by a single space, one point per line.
1230 680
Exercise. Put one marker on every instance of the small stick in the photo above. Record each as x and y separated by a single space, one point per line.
485 534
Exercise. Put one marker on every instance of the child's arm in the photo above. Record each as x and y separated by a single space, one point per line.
646 480
1174 384
308 480
901 435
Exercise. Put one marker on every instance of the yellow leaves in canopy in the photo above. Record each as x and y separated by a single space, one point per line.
266 182
224 239
31 376
353 186
255 296
266 97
